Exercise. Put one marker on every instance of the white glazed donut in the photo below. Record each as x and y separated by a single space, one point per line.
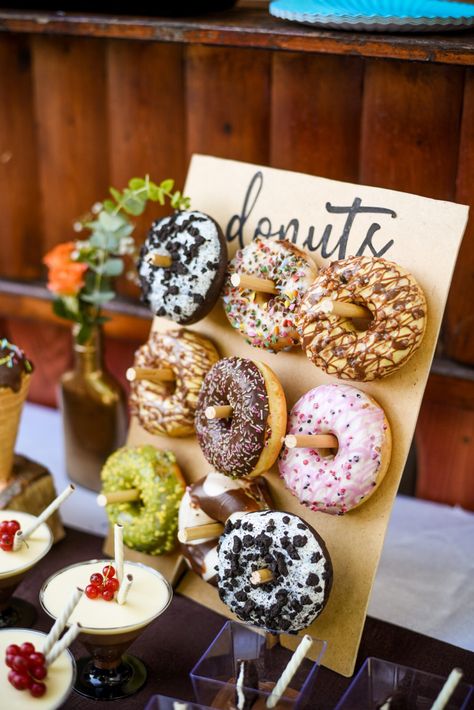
337 484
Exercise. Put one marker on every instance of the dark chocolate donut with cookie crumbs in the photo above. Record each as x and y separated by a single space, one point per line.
287 552
182 266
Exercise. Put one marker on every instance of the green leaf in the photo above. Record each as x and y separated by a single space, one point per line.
60 309
85 332
176 199
133 204
98 297
102 240
136 183
109 205
116 194
154 191
111 222
113 267
185 203
167 185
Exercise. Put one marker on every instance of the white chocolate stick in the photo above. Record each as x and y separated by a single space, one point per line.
124 589
177 705
290 670
60 623
448 689
125 496
118 551
17 540
311 441
70 635
255 283
159 259
47 512
152 374
220 412
198 532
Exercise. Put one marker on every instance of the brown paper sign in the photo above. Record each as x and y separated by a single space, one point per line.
331 220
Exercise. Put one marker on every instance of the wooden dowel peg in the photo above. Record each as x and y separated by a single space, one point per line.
343 309
200 532
159 260
127 496
311 441
261 576
158 374
255 283
221 412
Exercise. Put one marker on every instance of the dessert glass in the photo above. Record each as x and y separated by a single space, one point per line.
378 680
108 628
214 675
15 565
164 702
59 681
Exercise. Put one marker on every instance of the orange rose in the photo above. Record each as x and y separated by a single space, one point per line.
66 277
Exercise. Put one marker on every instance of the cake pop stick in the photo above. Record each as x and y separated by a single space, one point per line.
118 551
311 441
159 260
22 535
200 532
343 309
261 576
220 412
255 283
125 496
61 621
448 689
151 374
124 589
290 670
61 645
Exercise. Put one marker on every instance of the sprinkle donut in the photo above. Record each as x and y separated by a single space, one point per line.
168 408
268 324
214 498
187 289
149 524
337 483
296 557
398 308
249 441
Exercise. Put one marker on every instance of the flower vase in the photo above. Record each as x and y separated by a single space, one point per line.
93 407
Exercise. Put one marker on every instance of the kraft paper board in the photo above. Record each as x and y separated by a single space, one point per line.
331 220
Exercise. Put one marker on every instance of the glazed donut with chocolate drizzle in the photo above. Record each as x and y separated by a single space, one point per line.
397 308
168 406
246 439
182 266
268 323
298 570
214 498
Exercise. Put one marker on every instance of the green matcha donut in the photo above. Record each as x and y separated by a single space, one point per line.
150 523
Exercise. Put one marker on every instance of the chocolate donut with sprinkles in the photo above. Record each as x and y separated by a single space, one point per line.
397 308
241 417
182 266
274 570
286 272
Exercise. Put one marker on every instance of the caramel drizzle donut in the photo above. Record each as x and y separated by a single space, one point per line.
168 408
269 324
247 443
398 308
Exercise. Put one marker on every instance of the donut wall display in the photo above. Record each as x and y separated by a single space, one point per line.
325 326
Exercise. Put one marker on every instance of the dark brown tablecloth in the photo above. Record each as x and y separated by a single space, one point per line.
174 642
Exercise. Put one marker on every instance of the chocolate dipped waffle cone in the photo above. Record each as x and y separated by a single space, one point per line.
11 405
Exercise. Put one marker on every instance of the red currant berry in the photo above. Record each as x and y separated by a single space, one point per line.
39 672
37 690
11 675
4 526
107 595
12 527
96 579
92 591
108 571
13 650
26 649
20 681
6 541
19 664
9 659
36 659
112 585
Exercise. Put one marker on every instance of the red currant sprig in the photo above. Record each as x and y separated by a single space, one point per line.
27 668
103 585
8 528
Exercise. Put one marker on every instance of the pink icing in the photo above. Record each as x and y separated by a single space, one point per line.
335 484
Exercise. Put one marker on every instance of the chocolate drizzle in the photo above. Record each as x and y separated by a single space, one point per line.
13 365
233 445
396 330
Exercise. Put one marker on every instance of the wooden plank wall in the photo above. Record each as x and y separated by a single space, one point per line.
78 114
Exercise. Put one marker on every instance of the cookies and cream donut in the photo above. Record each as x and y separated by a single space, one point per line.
338 482
168 407
397 306
149 522
248 441
193 252
268 323
295 558
214 498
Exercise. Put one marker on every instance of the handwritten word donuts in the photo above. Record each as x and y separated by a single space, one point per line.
337 481
168 406
397 306
247 439
182 266
214 498
297 565
268 323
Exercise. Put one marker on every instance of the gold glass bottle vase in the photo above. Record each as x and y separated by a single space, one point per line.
93 407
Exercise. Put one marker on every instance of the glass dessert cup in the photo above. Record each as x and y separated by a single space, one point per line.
379 680
214 675
59 681
108 673
15 565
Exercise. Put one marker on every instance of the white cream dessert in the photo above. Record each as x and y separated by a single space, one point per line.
58 682
149 595
31 550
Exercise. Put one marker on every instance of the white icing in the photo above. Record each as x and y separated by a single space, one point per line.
211 564
216 484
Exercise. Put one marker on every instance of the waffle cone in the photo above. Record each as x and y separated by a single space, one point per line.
11 405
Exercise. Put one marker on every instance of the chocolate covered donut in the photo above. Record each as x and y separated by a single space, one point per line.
187 288
248 441
297 562
14 365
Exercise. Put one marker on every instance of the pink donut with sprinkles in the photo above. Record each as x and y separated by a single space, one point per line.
337 481
268 322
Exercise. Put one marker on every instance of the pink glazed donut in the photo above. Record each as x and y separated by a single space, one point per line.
337 483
